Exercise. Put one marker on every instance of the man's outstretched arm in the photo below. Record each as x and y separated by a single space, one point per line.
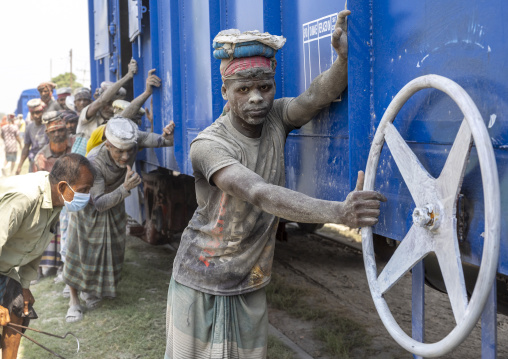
109 94
151 81
328 85
360 209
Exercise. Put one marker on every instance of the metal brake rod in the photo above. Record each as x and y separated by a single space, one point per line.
12 325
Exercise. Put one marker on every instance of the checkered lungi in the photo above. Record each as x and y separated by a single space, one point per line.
200 325
95 250
51 256
79 145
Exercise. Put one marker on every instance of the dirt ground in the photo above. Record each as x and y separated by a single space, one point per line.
335 276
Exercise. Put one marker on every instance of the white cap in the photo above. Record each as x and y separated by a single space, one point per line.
122 133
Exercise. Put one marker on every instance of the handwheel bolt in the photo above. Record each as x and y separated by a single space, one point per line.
424 217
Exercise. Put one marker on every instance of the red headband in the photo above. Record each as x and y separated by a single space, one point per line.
230 67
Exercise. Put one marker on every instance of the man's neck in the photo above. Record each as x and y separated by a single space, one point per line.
246 129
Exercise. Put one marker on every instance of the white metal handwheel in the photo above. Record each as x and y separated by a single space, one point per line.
434 223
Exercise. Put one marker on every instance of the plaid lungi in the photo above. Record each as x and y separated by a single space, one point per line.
51 256
95 250
200 325
79 145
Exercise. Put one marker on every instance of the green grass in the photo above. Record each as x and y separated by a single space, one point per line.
130 326
277 350
340 334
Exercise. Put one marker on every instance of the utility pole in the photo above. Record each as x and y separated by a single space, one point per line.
70 55
50 69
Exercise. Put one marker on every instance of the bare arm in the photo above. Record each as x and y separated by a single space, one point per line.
328 85
360 209
24 155
132 110
151 140
109 94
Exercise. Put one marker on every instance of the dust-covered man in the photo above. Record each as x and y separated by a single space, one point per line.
96 235
216 299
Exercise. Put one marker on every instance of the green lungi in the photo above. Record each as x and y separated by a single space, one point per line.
201 325
95 250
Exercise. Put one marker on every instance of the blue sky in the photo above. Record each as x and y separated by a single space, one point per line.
36 38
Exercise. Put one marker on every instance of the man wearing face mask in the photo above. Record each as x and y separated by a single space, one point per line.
96 235
35 135
59 144
29 209
101 110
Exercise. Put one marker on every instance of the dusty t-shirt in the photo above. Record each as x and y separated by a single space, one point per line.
227 248
36 138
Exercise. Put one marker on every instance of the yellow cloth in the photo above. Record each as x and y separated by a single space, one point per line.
27 224
96 138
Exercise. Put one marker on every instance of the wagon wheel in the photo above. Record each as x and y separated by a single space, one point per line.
434 222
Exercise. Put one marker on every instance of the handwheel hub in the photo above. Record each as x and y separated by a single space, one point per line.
426 216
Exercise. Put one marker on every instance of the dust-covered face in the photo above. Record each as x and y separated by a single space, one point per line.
61 102
36 116
72 126
81 104
58 135
120 157
107 111
45 94
250 99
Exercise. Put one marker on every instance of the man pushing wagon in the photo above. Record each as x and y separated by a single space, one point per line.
216 299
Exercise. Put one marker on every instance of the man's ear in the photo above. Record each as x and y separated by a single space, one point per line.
61 186
224 92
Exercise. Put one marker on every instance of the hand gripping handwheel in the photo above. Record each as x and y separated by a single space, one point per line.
434 223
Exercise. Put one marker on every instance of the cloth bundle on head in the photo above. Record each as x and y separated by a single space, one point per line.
120 105
242 51
122 133
69 116
49 85
63 92
120 94
53 120
35 104
82 93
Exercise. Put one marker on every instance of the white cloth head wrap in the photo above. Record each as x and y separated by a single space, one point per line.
122 133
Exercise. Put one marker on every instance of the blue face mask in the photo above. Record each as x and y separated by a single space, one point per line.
79 201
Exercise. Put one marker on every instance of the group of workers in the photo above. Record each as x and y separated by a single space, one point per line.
216 300
68 212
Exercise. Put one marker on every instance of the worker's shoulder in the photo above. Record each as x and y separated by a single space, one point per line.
27 188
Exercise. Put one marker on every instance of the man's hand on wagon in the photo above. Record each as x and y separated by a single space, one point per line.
339 36
167 132
361 208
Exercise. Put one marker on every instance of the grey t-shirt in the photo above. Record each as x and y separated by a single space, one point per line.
227 248
36 138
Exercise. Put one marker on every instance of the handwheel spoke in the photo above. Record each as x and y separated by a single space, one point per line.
416 245
450 179
448 255
418 180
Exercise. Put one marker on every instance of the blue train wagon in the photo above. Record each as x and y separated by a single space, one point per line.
24 97
452 57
